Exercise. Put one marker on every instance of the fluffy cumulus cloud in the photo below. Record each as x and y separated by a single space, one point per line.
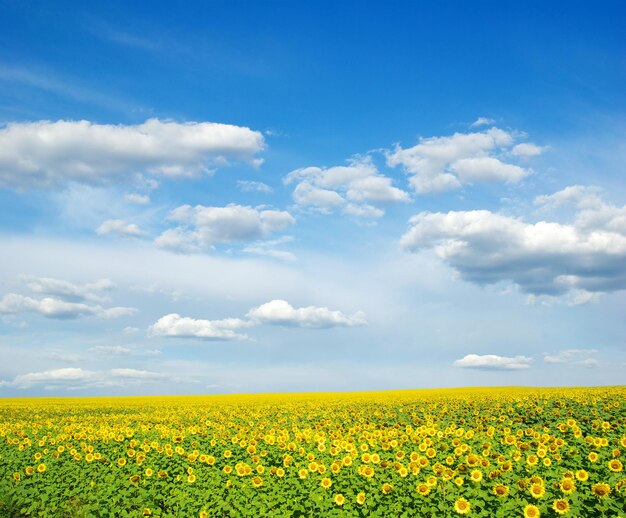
579 260
493 362
280 312
13 303
119 227
175 326
46 154
77 378
438 164
92 291
579 357
352 188
203 227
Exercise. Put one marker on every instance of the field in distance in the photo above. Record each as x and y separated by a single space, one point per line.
490 452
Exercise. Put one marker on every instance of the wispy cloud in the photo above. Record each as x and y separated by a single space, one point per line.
49 81
493 362
580 357
72 378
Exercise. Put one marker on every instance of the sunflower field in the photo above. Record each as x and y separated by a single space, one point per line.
498 452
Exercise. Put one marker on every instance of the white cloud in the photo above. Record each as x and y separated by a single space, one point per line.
270 249
178 240
251 186
119 227
487 169
154 289
323 200
215 225
47 154
77 378
363 211
280 312
445 163
49 307
580 357
581 196
579 260
573 297
117 350
482 121
138 199
527 150
493 362
66 290
173 325
592 211
340 187
63 357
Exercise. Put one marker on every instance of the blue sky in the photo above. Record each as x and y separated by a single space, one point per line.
276 196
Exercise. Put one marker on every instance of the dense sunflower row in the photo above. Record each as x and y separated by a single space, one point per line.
480 452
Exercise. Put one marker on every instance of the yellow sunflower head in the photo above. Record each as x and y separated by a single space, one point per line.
500 490
462 506
561 506
601 490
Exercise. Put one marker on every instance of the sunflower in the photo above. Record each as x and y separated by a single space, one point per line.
561 506
360 498
257 481
303 473
462 506
593 457
532 460
326 483
280 472
339 499
476 475
121 462
386 488
500 490
537 491
531 511
582 475
149 472
191 478
423 489
567 486
41 468
615 466
601 490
